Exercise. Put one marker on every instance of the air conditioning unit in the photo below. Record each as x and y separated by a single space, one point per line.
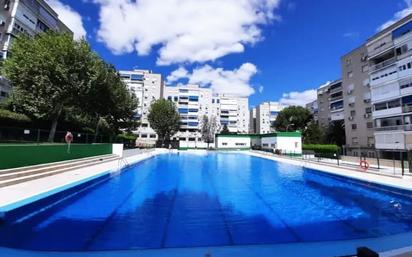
350 118
367 115
351 104
2 22
350 91
367 100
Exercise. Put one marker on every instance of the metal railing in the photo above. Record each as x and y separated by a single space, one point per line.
407 127
384 64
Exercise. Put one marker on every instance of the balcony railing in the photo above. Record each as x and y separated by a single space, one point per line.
336 98
335 90
384 64
407 127
407 108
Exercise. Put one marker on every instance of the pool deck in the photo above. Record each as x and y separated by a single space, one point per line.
396 246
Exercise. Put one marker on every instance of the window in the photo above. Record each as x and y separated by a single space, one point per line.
152 135
355 141
352 113
348 61
354 126
371 140
365 68
369 125
224 144
350 74
368 110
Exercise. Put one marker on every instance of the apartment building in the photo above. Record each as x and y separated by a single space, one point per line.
314 109
358 108
252 121
193 103
266 114
26 16
147 87
390 75
234 113
330 103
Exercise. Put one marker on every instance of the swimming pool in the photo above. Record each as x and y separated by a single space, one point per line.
216 199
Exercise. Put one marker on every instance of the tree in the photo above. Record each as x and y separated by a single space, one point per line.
293 118
164 119
335 133
313 134
49 72
225 130
209 128
56 77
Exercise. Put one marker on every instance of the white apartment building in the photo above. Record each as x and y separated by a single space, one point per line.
265 115
234 113
194 102
390 60
147 87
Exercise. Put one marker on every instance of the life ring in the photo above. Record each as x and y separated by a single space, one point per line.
364 165
68 138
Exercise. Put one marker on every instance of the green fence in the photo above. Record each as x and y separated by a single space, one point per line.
13 156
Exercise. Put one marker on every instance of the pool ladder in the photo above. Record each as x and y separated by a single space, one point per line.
123 163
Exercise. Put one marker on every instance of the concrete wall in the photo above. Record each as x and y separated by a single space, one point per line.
233 142
287 145
13 156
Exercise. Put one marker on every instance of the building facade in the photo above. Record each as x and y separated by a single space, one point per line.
330 103
29 17
358 108
266 114
147 87
252 121
194 102
390 75
314 109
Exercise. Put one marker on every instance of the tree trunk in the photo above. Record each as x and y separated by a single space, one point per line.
55 121
96 132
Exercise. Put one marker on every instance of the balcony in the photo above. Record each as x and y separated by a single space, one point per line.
383 64
407 108
387 112
336 98
407 127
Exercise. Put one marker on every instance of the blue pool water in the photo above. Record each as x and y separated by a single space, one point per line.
218 199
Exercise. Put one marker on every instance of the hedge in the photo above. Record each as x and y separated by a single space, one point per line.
322 148
12 117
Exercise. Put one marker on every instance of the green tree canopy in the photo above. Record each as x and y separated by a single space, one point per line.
293 118
209 129
52 75
335 133
225 130
313 134
164 119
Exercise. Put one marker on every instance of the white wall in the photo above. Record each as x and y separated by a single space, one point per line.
117 149
232 142
285 144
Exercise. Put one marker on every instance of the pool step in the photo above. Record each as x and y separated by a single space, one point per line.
11 178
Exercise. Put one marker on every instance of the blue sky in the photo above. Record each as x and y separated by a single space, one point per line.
278 50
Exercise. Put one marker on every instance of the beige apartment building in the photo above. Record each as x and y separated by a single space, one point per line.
358 108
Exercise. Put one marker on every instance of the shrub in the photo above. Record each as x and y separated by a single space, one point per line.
12 118
325 151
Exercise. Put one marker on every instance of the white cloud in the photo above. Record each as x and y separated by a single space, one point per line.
234 82
299 98
261 88
398 15
183 31
69 17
